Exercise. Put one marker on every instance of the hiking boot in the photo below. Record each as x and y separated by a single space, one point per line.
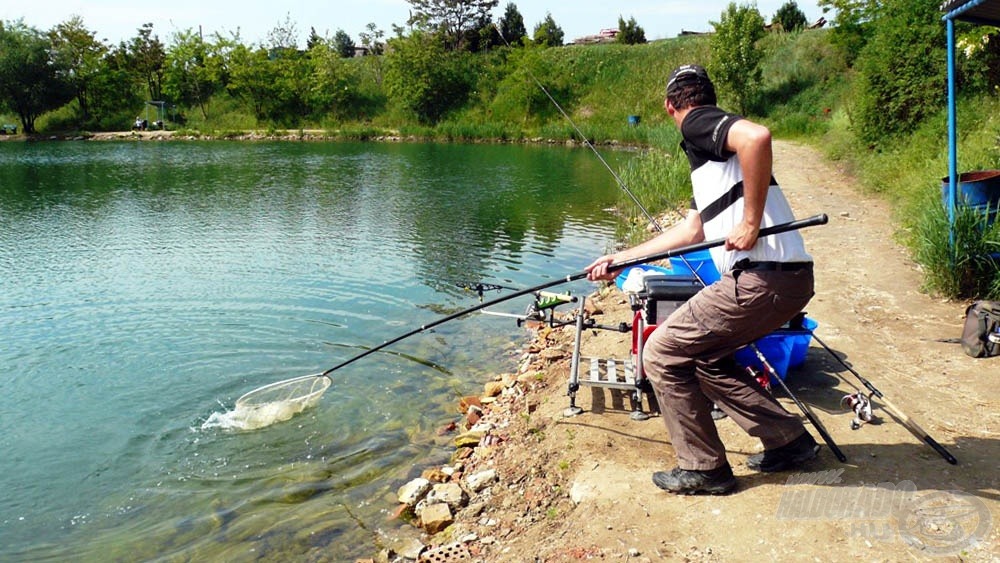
690 481
792 454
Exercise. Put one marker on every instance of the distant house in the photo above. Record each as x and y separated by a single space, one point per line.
604 36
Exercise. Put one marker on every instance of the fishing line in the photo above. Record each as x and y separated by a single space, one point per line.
912 426
586 141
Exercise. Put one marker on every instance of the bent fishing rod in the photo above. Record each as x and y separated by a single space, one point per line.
821 219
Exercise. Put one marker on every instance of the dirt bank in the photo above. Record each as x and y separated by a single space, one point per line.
579 488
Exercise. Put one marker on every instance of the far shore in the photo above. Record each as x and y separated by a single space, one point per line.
299 135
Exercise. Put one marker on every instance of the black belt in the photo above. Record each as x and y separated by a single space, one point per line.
746 264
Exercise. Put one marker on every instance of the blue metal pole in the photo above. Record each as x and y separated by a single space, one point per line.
952 132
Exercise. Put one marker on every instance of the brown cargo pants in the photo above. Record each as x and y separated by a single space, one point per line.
689 362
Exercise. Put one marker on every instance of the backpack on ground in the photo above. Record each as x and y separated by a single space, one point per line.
981 334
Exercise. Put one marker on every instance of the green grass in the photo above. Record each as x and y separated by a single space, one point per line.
971 249
908 171
660 182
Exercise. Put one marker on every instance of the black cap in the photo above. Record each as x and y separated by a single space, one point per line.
687 75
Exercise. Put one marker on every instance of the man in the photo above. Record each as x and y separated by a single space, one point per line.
689 357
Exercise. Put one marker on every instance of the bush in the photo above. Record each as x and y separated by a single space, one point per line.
901 79
963 261
736 59
425 79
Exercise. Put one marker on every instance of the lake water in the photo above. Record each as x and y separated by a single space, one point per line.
145 286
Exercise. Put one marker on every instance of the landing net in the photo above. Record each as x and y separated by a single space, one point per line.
272 403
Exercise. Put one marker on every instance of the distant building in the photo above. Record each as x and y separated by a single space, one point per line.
604 36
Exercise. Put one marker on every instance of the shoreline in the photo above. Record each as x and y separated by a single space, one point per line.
302 135
463 510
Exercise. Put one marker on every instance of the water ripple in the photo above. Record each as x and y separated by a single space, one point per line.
144 287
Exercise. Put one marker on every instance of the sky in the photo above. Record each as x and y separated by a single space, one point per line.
117 20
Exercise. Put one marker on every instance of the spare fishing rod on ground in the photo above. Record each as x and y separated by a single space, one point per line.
899 415
770 369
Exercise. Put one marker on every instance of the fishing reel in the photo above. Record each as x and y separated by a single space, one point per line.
762 376
545 301
861 404
541 309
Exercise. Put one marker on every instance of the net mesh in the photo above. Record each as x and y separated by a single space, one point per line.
273 403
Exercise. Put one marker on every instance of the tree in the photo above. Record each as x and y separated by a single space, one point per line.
979 58
789 17
372 39
313 40
850 29
512 28
191 74
30 84
901 80
273 82
115 91
736 59
148 56
453 18
629 32
547 33
424 78
282 36
334 84
251 78
343 44
75 49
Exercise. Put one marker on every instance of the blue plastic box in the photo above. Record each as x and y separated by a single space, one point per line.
784 349
620 279
700 263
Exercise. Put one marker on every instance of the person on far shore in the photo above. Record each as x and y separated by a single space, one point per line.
689 358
